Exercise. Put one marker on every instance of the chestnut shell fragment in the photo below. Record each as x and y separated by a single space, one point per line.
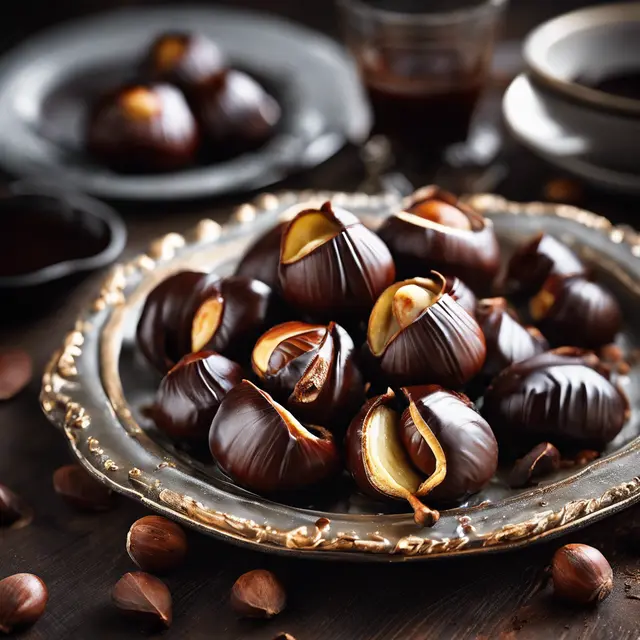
190 394
139 129
263 447
429 234
331 265
556 396
262 259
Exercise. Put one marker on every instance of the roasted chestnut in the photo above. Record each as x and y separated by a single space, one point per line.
571 310
507 340
185 60
557 396
538 258
143 128
419 334
263 447
312 368
190 394
469 446
234 112
331 265
459 291
380 464
437 231
262 259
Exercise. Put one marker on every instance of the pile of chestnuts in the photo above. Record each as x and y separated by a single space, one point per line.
334 346
186 105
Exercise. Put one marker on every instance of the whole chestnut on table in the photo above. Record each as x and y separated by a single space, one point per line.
507 340
190 394
557 396
261 261
263 447
331 265
419 334
143 128
312 368
571 310
437 231
538 258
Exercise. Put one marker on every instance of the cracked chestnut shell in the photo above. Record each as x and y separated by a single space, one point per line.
557 396
312 369
263 447
331 265
571 310
262 259
538 258
185 60
461 293
379 462
468 443
507 340
143 129
437 231
419 334
190 394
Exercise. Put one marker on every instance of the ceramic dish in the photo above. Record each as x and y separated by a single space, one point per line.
95 387
47 82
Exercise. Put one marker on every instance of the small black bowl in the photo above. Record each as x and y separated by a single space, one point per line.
49 239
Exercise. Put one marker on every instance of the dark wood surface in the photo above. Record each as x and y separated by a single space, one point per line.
80 557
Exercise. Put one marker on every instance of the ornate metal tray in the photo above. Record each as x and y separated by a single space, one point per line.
95 387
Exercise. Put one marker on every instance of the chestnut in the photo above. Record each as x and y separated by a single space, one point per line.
262 258
538 258
331 265
419 334
190 394
143 128
461 293
185 60
380 464
437 231
469 446
312 368
234 112
557 396
572 310
507 340
263 447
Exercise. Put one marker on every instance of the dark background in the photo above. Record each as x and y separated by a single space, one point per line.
80 557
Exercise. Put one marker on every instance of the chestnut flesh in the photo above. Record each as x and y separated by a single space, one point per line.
331 265
263 447
435 231
262 259
419 334
312 368
557 396
191 392
572 310
143 128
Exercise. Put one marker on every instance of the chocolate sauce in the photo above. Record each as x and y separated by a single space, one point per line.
625 84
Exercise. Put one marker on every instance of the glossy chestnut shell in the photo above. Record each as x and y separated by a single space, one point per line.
419 334
538 258
436 231
461 293
507 340
190 394
557 396
262 259
234 112
469 446
143 128
331 265
313 369
571 310
263 447
185 60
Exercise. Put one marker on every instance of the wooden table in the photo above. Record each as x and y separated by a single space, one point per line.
80 557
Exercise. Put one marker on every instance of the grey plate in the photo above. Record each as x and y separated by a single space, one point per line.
94 389
46 82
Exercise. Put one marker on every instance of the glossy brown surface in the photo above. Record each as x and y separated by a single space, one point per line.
258 594
81 490
581 574
541 461
462 294
14 511
156 544
23 598
262 258
144 599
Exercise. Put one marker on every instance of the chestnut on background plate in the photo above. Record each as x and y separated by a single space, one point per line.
331 518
